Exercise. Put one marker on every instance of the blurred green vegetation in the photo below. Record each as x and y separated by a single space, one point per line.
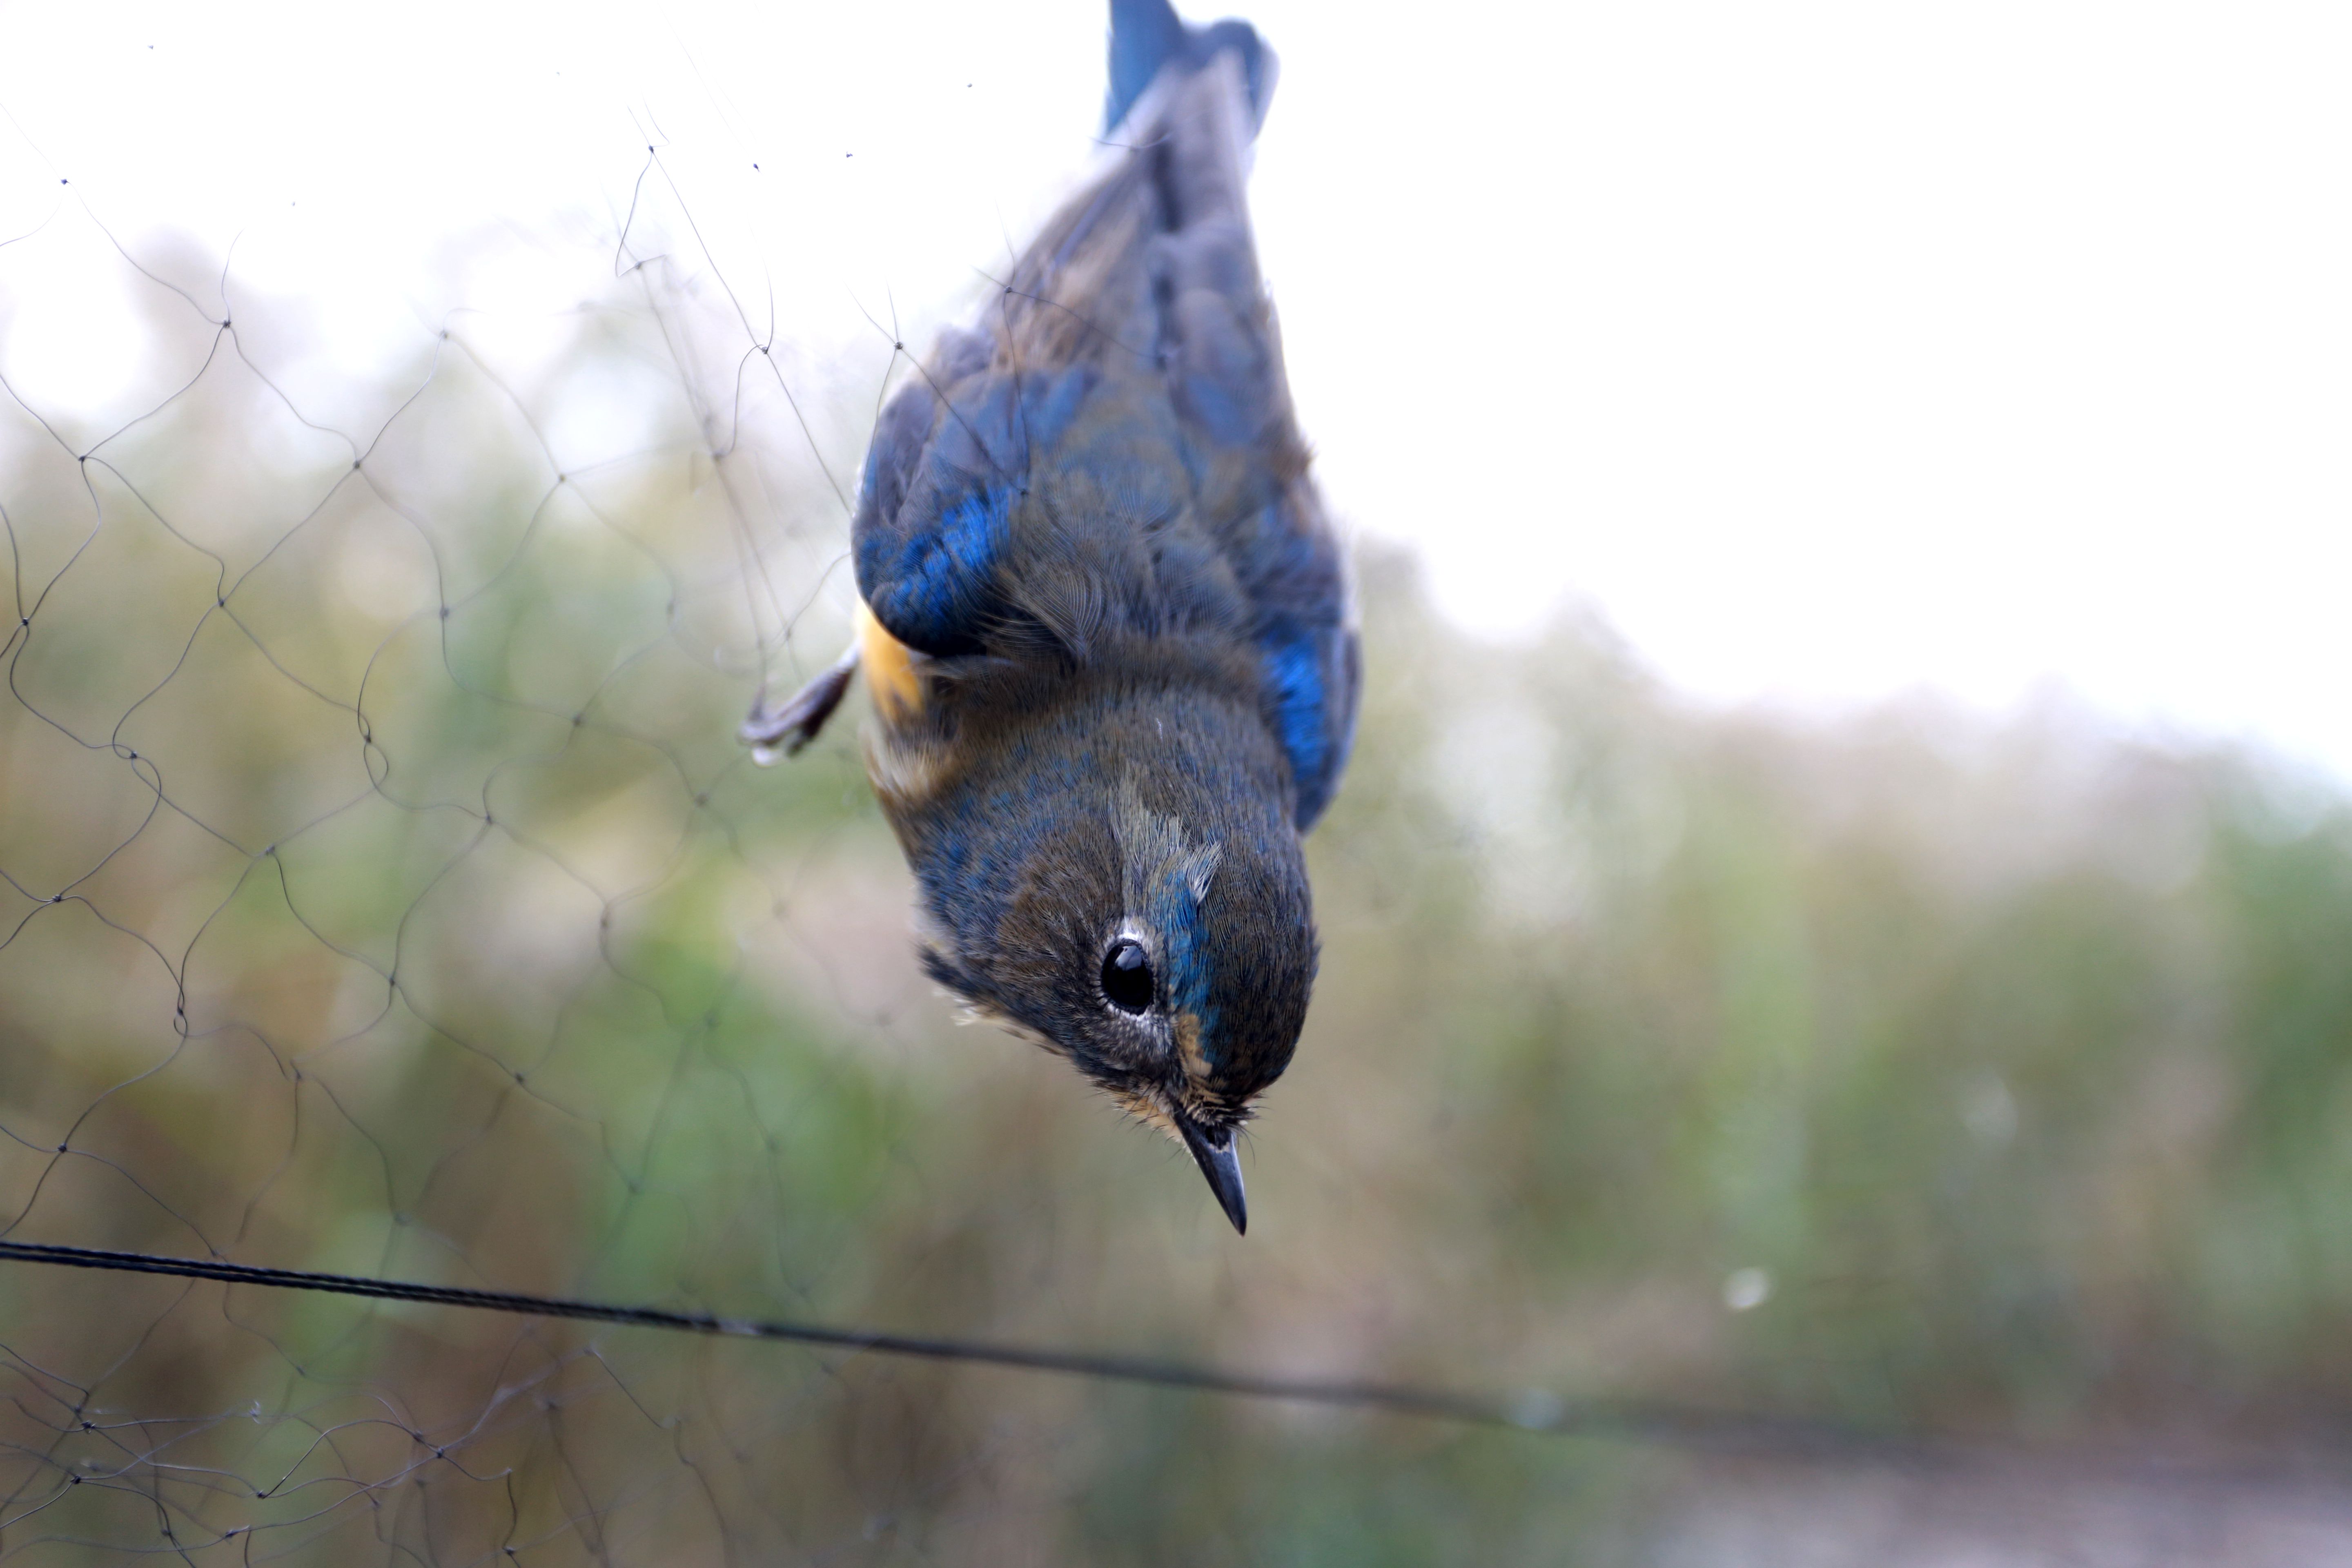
386 893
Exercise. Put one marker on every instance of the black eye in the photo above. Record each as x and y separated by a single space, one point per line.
1127 977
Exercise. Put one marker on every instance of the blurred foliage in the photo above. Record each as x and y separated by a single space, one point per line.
386 893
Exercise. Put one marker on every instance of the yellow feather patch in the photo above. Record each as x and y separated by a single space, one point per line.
889 670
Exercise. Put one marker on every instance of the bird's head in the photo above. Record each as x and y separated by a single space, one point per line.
1165 944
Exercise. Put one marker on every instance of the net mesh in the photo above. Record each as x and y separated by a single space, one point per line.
389 894
384 892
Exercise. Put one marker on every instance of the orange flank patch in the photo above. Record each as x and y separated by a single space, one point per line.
889 670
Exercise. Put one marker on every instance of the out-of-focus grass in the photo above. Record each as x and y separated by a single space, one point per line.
1976 1043
1911 1070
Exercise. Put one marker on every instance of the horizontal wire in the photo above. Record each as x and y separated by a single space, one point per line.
1532 1410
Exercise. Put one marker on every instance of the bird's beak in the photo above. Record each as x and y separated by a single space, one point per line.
1220 1165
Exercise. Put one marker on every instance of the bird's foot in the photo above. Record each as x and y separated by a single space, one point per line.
777 733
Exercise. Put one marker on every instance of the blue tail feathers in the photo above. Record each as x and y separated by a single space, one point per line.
1147 38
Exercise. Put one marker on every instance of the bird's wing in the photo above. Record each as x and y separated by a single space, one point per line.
1115 445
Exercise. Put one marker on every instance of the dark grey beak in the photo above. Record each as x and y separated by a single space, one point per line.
1221 1165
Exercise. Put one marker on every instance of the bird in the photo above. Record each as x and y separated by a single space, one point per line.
1106 626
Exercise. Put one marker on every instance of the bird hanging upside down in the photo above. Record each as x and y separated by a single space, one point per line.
1107 628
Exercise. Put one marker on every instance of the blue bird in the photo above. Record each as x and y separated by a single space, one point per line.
1108 631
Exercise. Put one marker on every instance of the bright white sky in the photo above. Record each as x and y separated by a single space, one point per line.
1830 350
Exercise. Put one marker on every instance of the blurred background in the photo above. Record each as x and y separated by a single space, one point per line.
1840 910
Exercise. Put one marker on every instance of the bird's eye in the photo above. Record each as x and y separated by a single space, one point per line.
1127 977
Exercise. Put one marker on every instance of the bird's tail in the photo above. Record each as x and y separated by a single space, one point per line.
1147 38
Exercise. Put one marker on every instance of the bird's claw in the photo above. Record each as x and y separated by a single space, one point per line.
779 733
